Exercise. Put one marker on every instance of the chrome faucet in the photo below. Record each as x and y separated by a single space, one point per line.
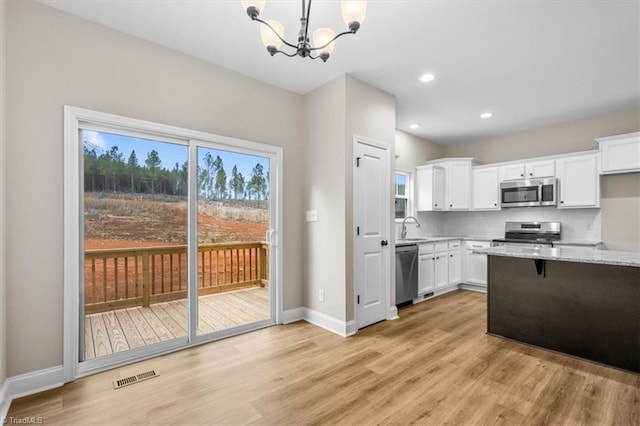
403 234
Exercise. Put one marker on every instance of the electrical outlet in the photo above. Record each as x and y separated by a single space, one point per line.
311 216
321 295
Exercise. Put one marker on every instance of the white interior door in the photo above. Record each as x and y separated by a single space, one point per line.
372 206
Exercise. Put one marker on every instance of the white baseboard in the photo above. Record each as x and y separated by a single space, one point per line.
393 313
292 315
5 402
329 323
29 384
473 287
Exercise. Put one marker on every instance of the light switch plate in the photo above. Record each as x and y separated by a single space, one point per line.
312 215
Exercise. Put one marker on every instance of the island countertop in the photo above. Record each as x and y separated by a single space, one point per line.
565 254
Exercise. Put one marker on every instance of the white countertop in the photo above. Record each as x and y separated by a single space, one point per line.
565 254
420 240
430 239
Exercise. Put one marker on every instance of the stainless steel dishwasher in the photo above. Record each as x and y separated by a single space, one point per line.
406 273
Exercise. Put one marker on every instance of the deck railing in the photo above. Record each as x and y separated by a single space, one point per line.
120 278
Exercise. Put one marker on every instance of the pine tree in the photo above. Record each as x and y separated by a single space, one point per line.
153 167
132 167
90 166
257 184
221 178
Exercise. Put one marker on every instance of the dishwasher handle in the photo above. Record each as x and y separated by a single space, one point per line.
407 249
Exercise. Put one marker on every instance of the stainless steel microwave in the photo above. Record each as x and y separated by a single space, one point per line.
529 193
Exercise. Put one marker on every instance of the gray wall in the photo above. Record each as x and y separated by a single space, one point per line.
334 113
56 59
620 195
324 155
412 151
3 347
370 113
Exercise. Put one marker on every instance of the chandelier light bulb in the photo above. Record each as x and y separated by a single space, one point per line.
259 4
268 37
354 11
322 36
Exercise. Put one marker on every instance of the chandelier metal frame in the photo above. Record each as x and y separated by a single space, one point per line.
303 48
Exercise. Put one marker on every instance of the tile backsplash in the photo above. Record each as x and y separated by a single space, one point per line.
577 224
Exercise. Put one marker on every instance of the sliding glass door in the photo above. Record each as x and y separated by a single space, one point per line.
233 214
176 240
135 243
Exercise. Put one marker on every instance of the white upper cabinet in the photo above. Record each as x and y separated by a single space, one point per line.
620 154
486 189
430 188
512 172
458 185
579 182
531 170
540 169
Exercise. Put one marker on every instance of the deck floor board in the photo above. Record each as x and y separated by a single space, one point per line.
123 329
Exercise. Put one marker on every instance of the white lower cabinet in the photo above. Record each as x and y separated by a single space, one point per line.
455 267
475 265
441 270
425 273
439 266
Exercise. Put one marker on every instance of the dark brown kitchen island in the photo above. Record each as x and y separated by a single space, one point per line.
579 302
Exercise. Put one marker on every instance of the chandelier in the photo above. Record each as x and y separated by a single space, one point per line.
272 31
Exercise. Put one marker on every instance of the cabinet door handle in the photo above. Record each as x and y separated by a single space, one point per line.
436 204
476 246
561 202
530 174
450 255
495 204
450 205
521 175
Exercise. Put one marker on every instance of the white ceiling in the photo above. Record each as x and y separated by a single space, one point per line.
531 63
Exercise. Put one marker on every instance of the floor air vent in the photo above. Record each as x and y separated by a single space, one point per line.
120 383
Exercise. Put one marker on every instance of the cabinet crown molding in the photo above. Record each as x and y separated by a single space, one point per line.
437 161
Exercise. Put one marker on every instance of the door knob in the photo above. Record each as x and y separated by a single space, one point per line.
384 243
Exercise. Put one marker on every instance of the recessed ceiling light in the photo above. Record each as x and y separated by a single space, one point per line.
427 77
486 115
414 126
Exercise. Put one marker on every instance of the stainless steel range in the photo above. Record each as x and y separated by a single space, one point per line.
530 234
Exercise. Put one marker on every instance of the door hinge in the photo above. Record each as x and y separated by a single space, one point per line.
357 161
358 299
357 230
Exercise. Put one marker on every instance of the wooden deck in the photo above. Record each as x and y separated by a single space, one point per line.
119 330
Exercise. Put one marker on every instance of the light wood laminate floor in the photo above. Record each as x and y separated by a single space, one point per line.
435 365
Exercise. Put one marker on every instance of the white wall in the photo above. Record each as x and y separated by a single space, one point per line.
56 59
3 318
577 224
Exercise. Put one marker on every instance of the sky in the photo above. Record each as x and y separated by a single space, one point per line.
170 153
